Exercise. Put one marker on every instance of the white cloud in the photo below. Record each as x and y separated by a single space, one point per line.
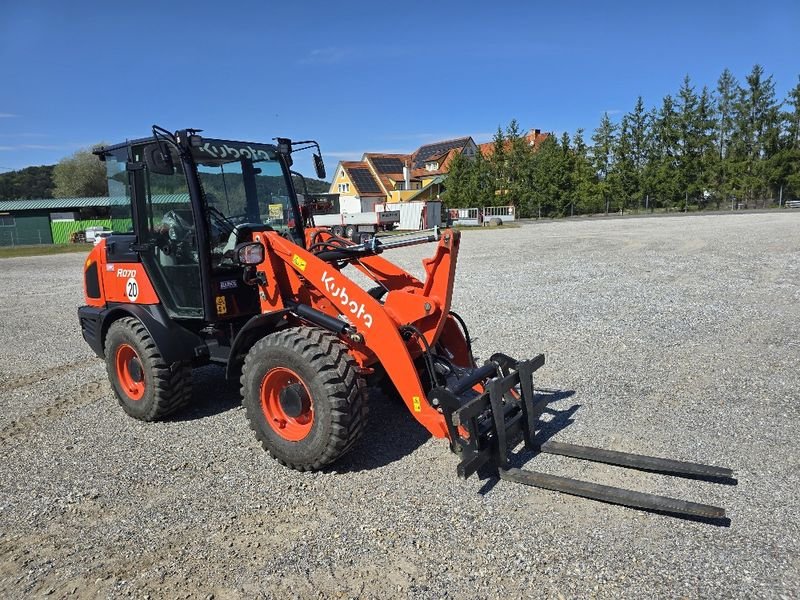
8 116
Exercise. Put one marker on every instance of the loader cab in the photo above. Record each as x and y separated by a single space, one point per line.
180 208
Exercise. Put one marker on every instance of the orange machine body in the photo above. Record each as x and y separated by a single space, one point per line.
117 282
395 332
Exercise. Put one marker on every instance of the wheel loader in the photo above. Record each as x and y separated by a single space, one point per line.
213 261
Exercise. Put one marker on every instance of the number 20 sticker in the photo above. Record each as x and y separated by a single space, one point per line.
132 289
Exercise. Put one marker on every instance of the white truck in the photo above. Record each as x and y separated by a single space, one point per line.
357 226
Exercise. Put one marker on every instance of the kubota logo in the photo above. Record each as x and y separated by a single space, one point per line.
340 292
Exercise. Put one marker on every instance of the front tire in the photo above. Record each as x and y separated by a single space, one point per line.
303 397
146 387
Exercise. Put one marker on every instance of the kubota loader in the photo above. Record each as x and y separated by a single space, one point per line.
212 260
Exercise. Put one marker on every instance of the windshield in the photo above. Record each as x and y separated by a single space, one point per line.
244 183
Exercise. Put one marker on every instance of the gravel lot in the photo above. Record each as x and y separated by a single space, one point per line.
679 337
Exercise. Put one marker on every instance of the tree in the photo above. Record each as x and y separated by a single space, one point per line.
567 176
498 165
604 139
622 180
640 144
784 165
725 122
584 178
544 199
757 132
705 145
518 160
81 175
27 183
666 154
689 154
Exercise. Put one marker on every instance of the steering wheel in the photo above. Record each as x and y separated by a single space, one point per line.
176 236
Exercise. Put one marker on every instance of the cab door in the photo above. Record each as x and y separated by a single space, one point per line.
167 234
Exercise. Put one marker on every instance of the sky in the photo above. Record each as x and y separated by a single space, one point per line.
361 76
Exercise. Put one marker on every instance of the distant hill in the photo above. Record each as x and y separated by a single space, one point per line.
315 186
27 183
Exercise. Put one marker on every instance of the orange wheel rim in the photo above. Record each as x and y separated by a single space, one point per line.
286 404
130 373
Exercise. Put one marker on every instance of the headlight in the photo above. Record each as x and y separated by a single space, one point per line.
250 253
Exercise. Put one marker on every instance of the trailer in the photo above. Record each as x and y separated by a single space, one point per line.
322 210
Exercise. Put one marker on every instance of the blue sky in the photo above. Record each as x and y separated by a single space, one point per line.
360 76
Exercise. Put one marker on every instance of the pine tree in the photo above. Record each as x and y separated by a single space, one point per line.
705 145
725 124
518 159
584 177
566 176
689 153
456 194
622 179
784 166
640 141
498 163
665 165
546 179
757 132
604 139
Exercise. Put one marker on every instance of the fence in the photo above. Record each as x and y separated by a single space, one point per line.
504 213
466 216
479 216
11 237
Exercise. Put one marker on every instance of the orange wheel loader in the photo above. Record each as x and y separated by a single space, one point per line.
212 260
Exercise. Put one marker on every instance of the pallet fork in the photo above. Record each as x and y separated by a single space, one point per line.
484 427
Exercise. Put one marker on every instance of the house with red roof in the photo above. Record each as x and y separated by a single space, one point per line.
534 137
380 177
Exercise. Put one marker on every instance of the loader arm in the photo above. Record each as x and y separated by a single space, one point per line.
299 277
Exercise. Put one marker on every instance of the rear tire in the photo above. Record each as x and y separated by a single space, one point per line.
303 397
146 387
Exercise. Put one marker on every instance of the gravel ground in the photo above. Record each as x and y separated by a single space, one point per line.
677 337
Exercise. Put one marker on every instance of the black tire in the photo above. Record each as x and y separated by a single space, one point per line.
336 393
166 388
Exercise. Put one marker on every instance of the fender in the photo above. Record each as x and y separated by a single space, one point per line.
175 343
255 328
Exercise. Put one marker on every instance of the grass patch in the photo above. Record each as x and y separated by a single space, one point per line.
15 251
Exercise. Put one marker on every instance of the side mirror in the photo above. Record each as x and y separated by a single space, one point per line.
319 166
157 160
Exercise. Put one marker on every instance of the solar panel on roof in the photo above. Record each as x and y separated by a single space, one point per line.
388 165
426 152
364 181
